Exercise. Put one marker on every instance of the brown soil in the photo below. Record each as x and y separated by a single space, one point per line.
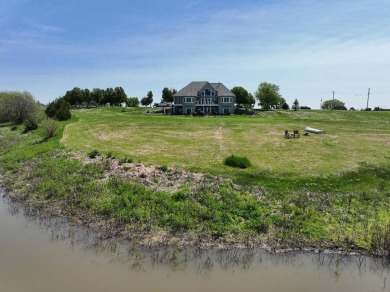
152 176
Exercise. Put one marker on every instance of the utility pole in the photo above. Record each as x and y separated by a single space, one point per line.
368 97
321 103
333 94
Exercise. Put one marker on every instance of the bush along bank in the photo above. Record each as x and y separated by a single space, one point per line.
207 212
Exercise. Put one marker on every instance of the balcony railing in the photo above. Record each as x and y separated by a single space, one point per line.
207 101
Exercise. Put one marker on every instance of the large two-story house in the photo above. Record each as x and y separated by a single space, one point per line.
204 97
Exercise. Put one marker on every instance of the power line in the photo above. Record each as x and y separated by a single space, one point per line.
349 94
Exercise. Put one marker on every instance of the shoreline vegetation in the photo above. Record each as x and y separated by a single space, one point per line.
162 203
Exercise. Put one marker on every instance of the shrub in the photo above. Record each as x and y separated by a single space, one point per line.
35 118
236 161
17 107
93 153
333 104
30 125
50 126
59 109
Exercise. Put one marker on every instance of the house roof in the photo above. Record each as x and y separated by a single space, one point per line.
222 89
194 87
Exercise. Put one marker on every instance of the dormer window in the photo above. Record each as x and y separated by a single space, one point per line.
207 92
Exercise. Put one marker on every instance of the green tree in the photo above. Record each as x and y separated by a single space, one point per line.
109 96
285 106
295 105
75 96
97 95
333 104
145 101
268 95
17 107
58 109
150 95
148 100
132 102
87 97
119 95
243 98
167 94
280 104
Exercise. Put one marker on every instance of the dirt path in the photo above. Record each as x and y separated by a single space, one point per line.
218 135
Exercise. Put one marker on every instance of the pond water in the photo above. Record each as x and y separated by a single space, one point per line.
45 254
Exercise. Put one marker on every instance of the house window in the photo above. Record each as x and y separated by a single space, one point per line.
189 111
188 99
212 93
226 111
202 93
226 99
207 92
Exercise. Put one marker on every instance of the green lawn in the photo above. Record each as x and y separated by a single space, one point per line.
354 144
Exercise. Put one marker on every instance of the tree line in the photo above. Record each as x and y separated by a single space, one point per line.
78 97
267 95
97 97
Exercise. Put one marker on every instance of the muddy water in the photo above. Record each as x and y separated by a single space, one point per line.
40 254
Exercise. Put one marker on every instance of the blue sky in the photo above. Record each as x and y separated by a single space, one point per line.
309 48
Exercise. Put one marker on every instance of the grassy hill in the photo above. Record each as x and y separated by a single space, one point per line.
355 146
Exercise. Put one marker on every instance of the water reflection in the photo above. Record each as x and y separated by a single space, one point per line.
83 253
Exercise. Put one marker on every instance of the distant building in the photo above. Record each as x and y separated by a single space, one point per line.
204 97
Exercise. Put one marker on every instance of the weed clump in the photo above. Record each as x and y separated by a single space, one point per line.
125 160
93 153
163 168
110 155
237 161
